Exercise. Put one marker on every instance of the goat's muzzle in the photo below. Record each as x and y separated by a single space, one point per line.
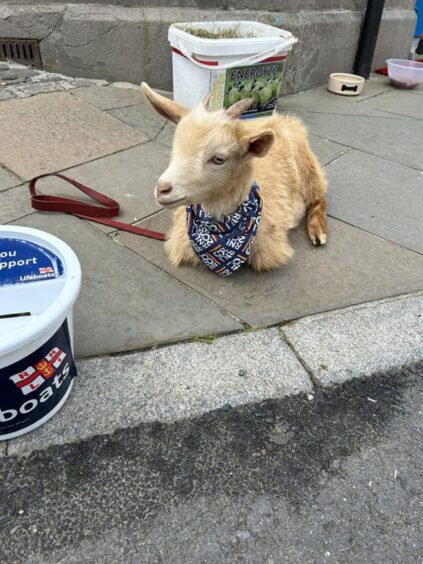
164 195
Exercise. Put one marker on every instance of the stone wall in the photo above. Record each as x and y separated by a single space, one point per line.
127 39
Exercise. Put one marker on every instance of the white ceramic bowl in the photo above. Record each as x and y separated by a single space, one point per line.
345 84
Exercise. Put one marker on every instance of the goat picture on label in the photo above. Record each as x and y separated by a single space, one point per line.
238 186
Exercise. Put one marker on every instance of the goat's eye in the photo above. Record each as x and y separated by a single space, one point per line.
218 159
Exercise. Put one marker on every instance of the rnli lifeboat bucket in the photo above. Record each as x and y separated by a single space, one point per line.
40 278
232 60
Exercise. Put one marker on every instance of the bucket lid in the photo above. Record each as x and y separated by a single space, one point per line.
40 278
249 31
254 37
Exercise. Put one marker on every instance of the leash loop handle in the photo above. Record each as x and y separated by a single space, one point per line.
85 210
43 202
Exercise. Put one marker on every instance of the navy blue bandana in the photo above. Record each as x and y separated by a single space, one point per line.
224 246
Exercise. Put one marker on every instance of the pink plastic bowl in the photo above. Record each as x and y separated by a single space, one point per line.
405 74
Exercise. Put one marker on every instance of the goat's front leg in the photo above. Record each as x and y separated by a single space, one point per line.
178 246
270 250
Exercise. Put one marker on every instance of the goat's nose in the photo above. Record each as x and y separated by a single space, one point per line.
163 188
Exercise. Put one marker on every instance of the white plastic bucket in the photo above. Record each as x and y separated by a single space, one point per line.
40 278
251 66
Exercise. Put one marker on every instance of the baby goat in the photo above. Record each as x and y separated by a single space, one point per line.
216 158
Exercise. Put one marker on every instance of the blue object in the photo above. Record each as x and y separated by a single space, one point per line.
419 26
22 262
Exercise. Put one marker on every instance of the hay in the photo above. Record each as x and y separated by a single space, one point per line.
228 33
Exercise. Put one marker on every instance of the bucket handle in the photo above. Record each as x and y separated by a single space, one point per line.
248 60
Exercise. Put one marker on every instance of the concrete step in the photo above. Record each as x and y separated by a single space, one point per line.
189 379
230 5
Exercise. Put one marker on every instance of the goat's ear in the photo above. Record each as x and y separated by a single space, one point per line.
258 145
165 107
236 110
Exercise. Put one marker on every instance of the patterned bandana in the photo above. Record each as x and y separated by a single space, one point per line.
224 246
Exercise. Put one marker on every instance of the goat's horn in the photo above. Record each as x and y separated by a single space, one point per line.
237 109
206 101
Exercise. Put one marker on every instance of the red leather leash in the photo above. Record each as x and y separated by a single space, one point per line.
93 212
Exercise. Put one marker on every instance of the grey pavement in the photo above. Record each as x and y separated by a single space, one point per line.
378 197
109 316
359 341
8 179
171 383
389 103
39 121
336 477
107 97
132 299
15 203
390 136
108 137
141 165
354 267
140 118
188 379
191 435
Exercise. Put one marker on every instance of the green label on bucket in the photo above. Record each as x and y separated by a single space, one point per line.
261 82
32 387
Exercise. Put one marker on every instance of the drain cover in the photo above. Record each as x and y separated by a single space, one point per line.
24 51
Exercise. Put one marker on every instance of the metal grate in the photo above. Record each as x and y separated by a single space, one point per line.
25 51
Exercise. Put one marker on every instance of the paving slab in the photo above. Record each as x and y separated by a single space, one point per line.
15 75
377 195
394 138
354 267
125 85
128 177
141 117
360 341
416 91
171 383
376 84
57 131
396 103
26 90
14 204
325 150
322 101
165 137
109 97
6 95
8 179
126 303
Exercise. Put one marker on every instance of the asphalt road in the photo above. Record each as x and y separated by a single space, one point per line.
333 478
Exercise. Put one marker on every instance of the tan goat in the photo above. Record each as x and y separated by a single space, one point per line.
215 159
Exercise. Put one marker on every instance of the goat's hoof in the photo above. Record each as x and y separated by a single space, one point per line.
319 240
